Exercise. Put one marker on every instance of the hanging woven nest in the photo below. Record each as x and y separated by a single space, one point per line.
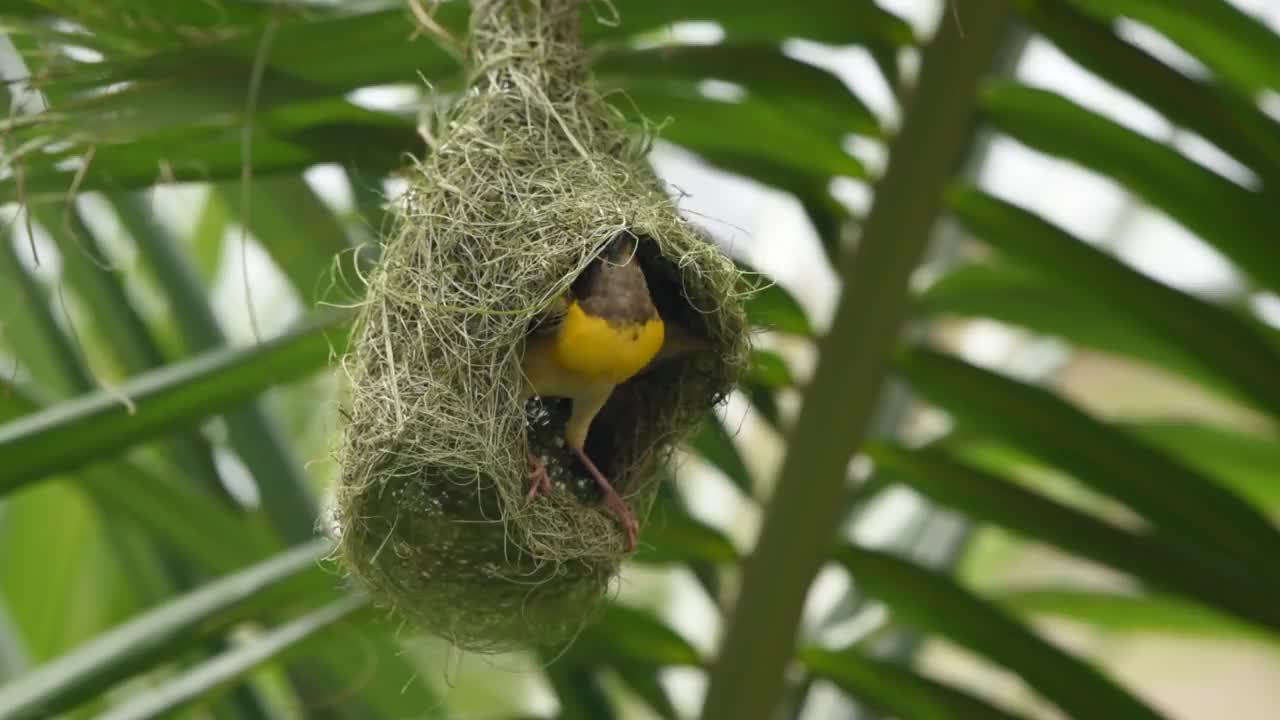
530 175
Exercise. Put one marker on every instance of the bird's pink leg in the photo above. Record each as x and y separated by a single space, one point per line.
539 480
612 499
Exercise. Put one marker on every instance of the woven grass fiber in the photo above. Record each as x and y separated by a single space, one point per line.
529 175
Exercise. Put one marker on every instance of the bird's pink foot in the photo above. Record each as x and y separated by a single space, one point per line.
612 500
539 480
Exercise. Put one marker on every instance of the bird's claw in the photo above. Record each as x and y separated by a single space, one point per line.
625 517
612 500
539 480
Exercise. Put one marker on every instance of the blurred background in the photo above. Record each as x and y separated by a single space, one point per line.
141 252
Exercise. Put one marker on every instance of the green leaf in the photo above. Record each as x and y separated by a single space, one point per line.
349 688
203 90
808 112
308 55
733 128
897 690
204 680
1245 463
715 445
88 270
1032 299
281 481
771 307
988 497
337 132
672 535
310 52
208 239
120 330
1190 508
88 428
1240 48
770 370
33 28
80 550
299 231
644 682
1232 123
176 514
304 64
149 638
183 109
935 603
809 94
13 656
767 375
578 690
151 23
16 399
1131 613
57 574
1236 221
291 139
831 21
1238 352
632 635
25 8
1132 311
29 330
203 530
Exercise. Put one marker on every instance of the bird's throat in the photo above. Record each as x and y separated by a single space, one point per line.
597 349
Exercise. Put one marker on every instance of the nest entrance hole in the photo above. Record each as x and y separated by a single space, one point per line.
606 442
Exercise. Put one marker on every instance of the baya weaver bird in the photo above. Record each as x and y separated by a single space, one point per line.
609 331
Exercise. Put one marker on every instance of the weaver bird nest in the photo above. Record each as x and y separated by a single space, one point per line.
530 174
